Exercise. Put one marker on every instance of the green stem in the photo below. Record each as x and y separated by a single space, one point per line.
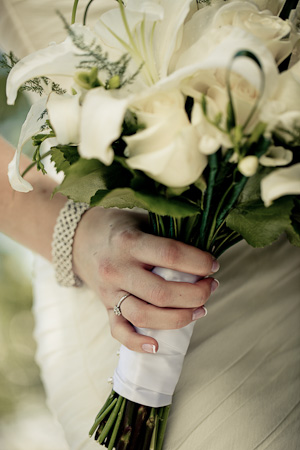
229 243
149 429
141 416
129 414
237 189
117 425
111 420
213 164
86 11
154 434
124 440
164 413
34 163
107 403
214 221
74 10
102 416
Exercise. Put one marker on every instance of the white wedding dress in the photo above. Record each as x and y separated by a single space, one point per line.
240 385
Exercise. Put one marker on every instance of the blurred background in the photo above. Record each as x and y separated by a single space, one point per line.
25 421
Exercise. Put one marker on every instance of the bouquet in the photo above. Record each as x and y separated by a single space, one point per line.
189 110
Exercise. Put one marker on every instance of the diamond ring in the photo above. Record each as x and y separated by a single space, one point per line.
117 308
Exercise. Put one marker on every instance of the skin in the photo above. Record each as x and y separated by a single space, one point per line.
113 254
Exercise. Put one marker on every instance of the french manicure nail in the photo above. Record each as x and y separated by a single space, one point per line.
214 285
200 312
149 348
215 266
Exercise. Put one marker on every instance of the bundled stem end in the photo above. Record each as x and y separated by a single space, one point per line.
124 425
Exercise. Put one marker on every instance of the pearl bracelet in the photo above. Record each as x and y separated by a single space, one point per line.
62 243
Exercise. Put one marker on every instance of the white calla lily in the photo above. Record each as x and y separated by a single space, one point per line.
64 115
31 127
152 39
276 156
57 59
279 183
101 122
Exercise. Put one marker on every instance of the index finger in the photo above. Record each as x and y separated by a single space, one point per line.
164 252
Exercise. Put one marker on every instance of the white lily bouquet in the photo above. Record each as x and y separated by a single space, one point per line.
189 110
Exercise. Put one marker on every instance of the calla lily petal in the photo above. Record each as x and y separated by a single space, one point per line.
168 22
101 123
57 59
64 115
31 127
279 183
168 33
276 156
16 181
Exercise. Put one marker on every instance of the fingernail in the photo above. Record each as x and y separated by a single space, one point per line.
148 348
214 285
200 312
215 266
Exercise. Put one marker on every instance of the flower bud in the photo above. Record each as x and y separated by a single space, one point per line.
114 82
248 165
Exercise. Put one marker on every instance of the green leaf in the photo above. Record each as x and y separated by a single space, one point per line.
128 198
251 190
294 233
260 226
172 207
116 198
82 180
63 156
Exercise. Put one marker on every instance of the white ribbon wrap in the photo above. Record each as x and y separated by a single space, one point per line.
150 379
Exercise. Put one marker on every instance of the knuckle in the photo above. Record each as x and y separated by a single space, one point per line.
106 270
180 320
126 238
205 291
207 261
159 296
170 253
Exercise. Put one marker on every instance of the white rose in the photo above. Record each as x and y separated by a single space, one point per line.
248 165
270 29
167 149
279 183
212 84
274 6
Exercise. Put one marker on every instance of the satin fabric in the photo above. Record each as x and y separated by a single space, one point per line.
239 388
151 379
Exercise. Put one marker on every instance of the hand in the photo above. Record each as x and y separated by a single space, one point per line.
113 256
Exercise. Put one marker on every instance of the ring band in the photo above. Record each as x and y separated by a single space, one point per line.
117 308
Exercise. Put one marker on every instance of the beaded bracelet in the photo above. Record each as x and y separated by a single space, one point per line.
62 243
